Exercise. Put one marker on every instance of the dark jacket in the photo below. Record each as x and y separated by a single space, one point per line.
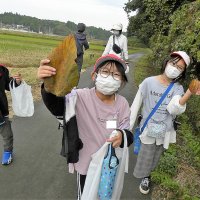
71 143
4 85
81 42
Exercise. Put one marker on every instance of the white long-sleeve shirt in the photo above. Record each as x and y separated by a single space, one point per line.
173 108
121 41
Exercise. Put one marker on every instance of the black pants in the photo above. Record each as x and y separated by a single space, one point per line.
79 61
80 184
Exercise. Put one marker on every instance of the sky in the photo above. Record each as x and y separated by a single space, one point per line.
98 13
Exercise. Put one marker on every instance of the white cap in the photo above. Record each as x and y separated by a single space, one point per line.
183 55
117 27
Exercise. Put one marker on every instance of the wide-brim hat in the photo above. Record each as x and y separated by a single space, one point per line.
111 57
183 55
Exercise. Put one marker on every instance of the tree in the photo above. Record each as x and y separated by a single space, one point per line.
50 26
153 17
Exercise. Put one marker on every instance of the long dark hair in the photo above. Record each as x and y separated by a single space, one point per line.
173 59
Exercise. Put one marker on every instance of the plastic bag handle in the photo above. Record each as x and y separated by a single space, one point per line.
112 154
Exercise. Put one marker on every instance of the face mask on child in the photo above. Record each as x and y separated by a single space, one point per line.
107 86
171 71
115 32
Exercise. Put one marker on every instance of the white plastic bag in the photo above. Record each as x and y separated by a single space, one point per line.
91 186
22 99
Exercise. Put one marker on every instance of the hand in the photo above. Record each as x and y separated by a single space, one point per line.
194 87
116 140
44 70
18 78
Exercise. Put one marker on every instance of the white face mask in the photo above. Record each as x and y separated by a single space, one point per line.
171 71
107 86
115 32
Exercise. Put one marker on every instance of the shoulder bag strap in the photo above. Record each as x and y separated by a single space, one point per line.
157 105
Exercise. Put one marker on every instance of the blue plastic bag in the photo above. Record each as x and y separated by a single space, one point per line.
137 142
108 174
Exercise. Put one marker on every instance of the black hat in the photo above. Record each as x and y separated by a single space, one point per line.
81 27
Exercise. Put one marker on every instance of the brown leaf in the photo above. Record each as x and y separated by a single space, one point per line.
194 86
63 59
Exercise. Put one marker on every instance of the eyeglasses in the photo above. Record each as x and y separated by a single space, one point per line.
180 68
105 73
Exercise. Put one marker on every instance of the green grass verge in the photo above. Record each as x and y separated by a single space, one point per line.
24 50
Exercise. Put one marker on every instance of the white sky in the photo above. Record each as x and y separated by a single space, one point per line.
98 13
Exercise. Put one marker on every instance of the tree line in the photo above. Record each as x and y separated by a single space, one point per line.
167 25
50 26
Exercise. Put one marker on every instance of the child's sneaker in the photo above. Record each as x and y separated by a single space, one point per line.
7 158
145 185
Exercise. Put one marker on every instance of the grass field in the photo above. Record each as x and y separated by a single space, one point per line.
26 50
22 52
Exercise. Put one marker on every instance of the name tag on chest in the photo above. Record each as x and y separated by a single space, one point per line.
111 124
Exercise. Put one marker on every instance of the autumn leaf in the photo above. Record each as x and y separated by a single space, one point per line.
62 58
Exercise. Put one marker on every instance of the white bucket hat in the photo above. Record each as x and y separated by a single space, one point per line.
183 55
117 27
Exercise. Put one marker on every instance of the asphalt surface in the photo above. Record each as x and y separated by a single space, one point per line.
38 171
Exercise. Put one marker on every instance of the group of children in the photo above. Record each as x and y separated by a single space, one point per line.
90 115
94 109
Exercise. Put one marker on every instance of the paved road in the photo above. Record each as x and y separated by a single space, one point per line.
38 171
